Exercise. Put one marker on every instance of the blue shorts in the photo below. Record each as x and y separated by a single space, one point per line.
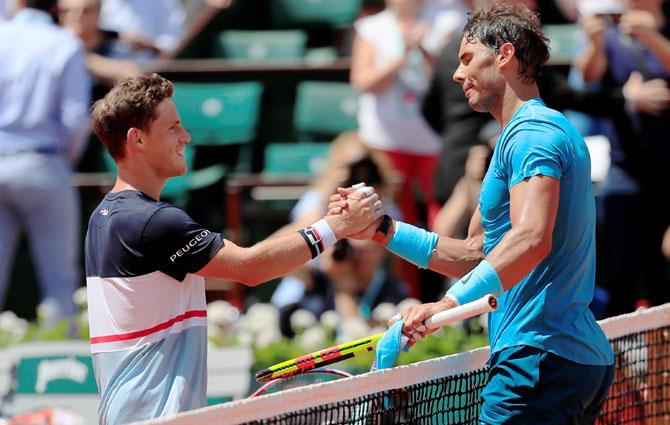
531 386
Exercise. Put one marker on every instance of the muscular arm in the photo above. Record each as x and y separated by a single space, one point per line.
454 257
280 254
266 260
533 208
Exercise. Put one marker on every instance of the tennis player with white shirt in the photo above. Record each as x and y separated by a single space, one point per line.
550 362
146 260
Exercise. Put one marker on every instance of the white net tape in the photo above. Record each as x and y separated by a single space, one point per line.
296 399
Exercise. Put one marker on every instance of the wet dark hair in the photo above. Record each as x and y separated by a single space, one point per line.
500 23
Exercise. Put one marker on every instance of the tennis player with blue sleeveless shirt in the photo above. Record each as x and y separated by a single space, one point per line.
534 232
146 260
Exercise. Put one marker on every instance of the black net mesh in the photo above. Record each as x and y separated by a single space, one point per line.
640 394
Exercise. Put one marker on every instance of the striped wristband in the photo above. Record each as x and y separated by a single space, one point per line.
319 237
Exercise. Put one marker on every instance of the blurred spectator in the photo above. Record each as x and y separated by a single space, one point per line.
391 68
44 100
349 159
146 28
635 193
5 10
106 62
103 59
446 19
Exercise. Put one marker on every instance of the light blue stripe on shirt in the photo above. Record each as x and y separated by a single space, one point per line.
153 380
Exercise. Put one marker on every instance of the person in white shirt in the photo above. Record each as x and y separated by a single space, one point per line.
148 28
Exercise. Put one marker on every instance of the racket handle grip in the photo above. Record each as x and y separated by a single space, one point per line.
485 304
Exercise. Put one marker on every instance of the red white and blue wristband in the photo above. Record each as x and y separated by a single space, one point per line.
319 237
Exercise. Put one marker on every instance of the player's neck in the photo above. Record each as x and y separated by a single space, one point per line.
134 179
515 96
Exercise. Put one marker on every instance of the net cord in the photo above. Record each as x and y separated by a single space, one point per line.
247 410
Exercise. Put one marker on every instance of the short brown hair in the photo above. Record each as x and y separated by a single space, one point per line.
499 23
130 103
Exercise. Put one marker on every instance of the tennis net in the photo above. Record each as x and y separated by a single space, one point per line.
446 390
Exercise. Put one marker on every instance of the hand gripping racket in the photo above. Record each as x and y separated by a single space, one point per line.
353 348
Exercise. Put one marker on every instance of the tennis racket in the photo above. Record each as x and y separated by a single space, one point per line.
353 348
307 378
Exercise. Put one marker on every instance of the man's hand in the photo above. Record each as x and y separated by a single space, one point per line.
414 316
138 41
358 210
638 23
649 97
338 205
594 26
414 35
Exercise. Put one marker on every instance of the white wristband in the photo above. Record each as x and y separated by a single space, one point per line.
326 232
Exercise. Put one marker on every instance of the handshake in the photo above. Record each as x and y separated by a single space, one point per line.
355 212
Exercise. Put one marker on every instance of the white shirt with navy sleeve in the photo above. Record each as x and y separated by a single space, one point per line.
147 310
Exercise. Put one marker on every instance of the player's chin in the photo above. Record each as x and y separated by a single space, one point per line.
475 105
179 170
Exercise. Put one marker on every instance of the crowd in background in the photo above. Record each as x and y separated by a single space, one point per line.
418 142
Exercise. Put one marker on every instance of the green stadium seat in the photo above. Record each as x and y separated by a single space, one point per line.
335 13
564 41
318 55
298 159
323 110
218 114
261 45
221 114
269 196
